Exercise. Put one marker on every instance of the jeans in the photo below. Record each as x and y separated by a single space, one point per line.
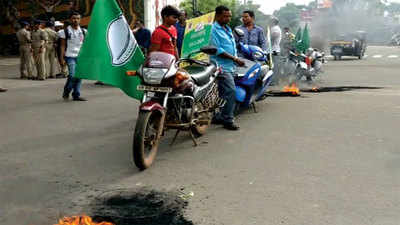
73 83
277 61
227 91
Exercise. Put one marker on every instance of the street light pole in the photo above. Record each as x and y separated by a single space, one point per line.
194 4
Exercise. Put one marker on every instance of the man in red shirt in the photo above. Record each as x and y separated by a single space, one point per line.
164 36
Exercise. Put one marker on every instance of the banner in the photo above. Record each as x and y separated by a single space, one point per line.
197 34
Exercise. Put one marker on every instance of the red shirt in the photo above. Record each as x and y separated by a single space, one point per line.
162 38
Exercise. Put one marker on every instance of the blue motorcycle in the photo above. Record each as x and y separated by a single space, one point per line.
252 80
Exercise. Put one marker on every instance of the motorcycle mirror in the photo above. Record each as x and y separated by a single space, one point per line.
239 32
258 55
209 50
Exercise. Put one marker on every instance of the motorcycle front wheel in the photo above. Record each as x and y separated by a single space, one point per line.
146 138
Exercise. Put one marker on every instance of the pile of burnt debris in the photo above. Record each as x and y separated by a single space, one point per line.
143 207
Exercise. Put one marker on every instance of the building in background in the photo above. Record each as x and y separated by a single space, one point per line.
152 17
323 4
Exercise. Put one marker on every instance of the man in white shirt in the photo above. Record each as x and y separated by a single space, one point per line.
71 42
276 36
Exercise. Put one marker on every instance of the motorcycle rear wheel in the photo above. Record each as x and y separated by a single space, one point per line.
146 138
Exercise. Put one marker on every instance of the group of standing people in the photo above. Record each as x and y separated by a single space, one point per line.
50 46
38 50
168 37
227 55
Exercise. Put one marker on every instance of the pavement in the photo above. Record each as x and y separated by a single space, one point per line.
322 158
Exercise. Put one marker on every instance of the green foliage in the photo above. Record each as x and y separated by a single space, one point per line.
261 18
289 15
206 6
393 8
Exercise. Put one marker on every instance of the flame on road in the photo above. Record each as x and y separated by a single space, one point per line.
292 89
80 220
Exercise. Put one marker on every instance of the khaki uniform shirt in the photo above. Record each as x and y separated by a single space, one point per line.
39 38
24 37
52 35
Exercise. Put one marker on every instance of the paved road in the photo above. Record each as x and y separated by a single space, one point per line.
325 158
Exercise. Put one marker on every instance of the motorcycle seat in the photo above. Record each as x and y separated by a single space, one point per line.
201 74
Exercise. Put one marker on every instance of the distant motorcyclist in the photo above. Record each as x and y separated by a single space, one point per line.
288 43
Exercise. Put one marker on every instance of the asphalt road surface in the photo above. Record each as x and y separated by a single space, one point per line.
323 158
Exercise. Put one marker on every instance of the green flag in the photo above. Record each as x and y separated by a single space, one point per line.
298 43
306 38
110 50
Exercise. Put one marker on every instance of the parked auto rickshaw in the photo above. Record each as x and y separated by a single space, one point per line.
349 45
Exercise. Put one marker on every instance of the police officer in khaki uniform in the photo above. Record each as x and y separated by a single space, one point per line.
25 51
59 27
39 39
51 50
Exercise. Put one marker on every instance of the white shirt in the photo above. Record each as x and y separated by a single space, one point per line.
276 36
74 43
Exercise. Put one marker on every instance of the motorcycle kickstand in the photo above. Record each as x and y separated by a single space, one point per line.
253 105
176 135
193 138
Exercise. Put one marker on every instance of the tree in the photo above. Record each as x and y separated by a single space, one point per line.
206 6
393 8
261 18
348 16
289 15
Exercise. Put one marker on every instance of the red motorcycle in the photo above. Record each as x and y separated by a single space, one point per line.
182 99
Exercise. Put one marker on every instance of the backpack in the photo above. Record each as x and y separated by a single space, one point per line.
67 37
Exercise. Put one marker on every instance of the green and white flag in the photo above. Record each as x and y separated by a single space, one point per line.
298 40
306 38
110 50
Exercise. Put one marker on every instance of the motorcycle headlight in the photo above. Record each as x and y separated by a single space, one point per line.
252 74
264 69
153 75
258 56
180 77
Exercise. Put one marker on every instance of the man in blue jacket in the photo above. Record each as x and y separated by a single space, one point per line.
253 34
226 57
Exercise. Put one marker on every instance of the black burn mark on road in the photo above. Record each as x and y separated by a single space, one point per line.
339 89
319 90
143 207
